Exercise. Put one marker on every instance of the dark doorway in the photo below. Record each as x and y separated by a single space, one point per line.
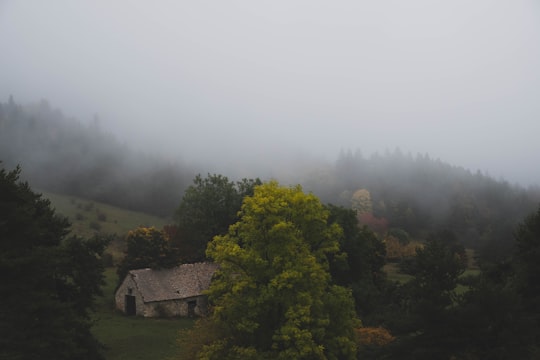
131 308
191 305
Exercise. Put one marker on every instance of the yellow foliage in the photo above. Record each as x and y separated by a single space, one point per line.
147 233
395 250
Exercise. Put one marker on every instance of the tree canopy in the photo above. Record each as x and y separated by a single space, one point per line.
207 209
147 248
48 281
273 297
359 264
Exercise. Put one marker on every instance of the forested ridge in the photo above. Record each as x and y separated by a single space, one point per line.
422 195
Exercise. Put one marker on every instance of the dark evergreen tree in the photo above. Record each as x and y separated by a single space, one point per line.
359 265
425 303
49 282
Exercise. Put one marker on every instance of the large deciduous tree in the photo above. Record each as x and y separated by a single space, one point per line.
147 247
48 281
273 297
207 209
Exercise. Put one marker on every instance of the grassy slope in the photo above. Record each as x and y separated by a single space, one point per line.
88 217
134 338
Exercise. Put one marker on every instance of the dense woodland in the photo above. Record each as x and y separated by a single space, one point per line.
302 267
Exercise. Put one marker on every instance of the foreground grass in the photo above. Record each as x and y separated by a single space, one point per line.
130 337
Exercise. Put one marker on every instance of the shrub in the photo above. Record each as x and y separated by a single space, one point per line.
95 226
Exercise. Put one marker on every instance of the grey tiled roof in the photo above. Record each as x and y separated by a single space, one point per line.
181 282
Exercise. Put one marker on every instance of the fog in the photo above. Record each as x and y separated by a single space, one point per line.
270 84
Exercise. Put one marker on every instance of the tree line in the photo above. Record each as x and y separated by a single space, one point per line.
416 194
421 195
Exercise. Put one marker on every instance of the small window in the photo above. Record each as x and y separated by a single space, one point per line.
130 291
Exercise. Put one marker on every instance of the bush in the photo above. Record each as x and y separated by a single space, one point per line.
95 226
107 260
101 216
400 234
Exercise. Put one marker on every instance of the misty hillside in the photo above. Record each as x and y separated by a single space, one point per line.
417 194
60 154
422 196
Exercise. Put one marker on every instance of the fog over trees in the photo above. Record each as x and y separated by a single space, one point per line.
414 193
63 155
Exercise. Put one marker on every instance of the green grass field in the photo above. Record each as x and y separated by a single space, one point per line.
89 217
130 337
393 273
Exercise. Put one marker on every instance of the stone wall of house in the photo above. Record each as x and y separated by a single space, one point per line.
167 308
128 287
176 307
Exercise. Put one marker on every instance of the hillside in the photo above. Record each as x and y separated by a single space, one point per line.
63 155
421 195
89 217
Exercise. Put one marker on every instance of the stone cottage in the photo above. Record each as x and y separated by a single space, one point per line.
166 292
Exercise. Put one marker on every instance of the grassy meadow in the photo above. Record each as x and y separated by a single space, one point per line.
89 217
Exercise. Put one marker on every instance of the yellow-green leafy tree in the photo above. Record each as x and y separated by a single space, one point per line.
273 297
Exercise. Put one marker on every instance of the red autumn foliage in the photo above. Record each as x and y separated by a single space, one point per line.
377 225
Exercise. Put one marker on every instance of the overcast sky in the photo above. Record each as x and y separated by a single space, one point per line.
235 81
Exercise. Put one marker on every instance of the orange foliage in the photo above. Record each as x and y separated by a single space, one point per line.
373 336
